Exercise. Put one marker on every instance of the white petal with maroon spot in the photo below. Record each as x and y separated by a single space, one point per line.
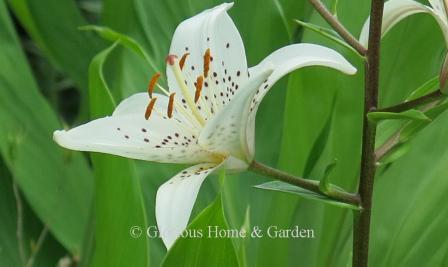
226 132
131 136
175 200
136 104
212 29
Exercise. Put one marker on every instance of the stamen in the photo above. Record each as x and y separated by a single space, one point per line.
206 62
153 83
198 85
182 60
171 59
170 106
150 107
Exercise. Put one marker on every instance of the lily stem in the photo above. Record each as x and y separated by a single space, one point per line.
361 219
413 103
310 185
338 27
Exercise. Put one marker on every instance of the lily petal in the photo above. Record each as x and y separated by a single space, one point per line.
285 60
132 136
226 132
175 200
439 8
212 29
136 104
397 10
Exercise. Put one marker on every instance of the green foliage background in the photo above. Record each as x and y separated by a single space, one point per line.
52 75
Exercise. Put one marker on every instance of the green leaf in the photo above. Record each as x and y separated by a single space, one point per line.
31 229
57 183
123 39
329 34
204 251
412 114
287 188
9 248
324 184
58 38
307 106
117 189
395 154
319 144
426 88
413 128
334 7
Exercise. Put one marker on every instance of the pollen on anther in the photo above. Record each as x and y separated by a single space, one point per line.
182 60
198 85
206 62
150 107
171 105
152 83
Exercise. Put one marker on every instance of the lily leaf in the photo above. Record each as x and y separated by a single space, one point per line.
319 144
116 189
190 250
57 184
128 42
412 128
334 7
287 188
426 88
324 184
327 33
395 154
411 114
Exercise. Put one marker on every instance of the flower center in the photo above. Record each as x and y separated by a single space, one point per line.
180 79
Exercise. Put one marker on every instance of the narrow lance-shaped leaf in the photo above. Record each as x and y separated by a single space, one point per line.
324 184
426 88
113 36
329 34
291 189
412 114
57 184
201 239
116 189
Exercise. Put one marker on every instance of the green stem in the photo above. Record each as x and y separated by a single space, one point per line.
310 185
361 221
338 27
413 103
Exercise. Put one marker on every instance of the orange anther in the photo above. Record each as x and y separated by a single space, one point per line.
152 83
150 107
206 62
171 105
198 85
182 60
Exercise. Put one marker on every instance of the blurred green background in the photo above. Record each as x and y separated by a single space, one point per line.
65 208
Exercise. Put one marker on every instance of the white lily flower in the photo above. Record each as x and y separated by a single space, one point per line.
207 117
397 10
